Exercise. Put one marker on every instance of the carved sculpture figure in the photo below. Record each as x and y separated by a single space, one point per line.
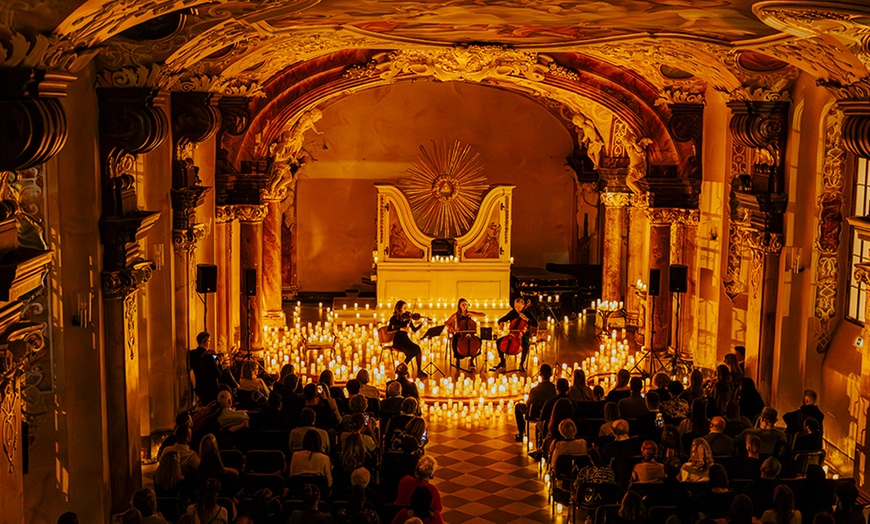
637 163
286 150
589 137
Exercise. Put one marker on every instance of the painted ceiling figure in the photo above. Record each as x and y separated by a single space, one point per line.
637 163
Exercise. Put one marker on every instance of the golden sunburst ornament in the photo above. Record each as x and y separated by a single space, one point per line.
445 189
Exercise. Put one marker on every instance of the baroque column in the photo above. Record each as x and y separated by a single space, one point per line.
223 229
273 315
251 257
684 247
612 273
638 262
130 125
659 314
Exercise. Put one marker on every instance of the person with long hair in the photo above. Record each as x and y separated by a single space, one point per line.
412 439
563 409
751 403
697 469
671 445
211 465
696 387
310 461
783 511
401 325
580 391
452 324
611 415
741 510
168 474
207 510
648 470
697 425
249 381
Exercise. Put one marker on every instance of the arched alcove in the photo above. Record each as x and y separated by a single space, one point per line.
376 134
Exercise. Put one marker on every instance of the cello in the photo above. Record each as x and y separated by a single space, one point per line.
469 343
512 343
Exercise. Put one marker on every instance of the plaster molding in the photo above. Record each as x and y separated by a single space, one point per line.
610 199
250 213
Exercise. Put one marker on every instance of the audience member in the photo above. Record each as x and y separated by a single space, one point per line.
761 489
634 405
697 469
697 425
229 418
204 370
206 509
720 443
751 402
631 510
538 395
811 437
795 420
562 387
661 381
749 467
568 444
308 419
168 475
815 495
770 436
317 398
398 422
353 386
250 382
648 470
311 513
188 458
393 402
675 409
611 415
365 388
580 391
310 461
696 387
742 511
420 507
620 391
649 425
783 511
597 393
671 445
422 477
327 378
409 389
145 502
848 510
211 465
735 423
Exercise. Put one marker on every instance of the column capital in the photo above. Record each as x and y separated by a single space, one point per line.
121 283
639 200
610 199
187 239
250 213
665 215
224 214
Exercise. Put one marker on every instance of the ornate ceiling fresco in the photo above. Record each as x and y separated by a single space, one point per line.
633 57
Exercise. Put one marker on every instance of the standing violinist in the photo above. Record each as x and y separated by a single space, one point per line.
458 325
401 325
519 319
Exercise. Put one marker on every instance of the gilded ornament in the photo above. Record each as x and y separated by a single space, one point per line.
139 76
611 199
470 64
862 273
250 213
445 189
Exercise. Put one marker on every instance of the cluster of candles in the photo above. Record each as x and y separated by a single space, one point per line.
611 356
605 305
640 286
440 258
481 412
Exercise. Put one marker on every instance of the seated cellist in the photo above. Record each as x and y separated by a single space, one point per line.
519 319
461 324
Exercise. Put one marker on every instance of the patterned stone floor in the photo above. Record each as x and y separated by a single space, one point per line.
485 476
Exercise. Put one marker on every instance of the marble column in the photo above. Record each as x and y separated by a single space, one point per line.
766 249
273 315
251 257
659 313
638 261
223 231
684 248
612 275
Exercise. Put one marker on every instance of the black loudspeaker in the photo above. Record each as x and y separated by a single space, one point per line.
250 282
486 333
678 278
206 278
655 282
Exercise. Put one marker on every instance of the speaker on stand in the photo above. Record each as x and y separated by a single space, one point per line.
678 283
654 289
206 282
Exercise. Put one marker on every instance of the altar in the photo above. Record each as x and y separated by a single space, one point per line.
425 269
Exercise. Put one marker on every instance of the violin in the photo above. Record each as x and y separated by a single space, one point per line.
469 343
512 343
407 315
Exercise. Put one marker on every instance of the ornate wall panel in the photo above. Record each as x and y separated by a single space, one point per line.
828 236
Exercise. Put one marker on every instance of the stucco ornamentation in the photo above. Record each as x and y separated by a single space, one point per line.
615 199
830 223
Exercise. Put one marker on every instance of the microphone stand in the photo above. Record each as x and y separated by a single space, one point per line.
556 324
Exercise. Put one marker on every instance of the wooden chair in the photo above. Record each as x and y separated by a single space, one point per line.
385 339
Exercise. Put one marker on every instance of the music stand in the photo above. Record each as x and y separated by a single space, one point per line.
432 332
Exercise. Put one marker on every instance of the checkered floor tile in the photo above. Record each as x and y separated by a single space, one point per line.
485 476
